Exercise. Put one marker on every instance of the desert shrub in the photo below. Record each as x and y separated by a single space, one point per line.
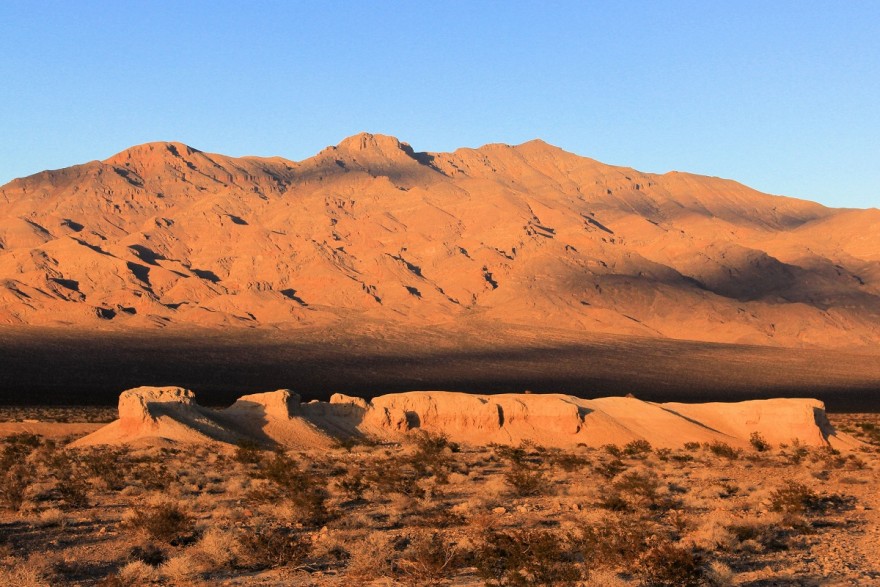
152 474
613 450
723 450
248 452
17 447
432 457
429 559
354 485
527 557
112 580
641 487
73 491
614 542
110 465
669 565
692 446
793 498
770 536
663 453
70 484
611 469
275 546
613 501
568 462
638 449
526 480
514 454
149 553
870 432
166 522
797 453
728 490
758 442
797 498
391 476
14 481
298 486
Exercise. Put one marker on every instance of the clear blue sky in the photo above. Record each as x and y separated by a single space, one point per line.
782 96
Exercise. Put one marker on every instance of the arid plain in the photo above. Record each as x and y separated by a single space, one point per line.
372 269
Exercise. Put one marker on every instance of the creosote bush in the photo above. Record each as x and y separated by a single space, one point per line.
758 442
166 522
429 559
723 450
527 557
275 546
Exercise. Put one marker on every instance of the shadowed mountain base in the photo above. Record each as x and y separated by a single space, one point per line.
60 367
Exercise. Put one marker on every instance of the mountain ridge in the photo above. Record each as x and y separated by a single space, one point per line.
163 234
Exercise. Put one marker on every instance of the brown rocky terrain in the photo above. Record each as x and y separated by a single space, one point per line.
371 232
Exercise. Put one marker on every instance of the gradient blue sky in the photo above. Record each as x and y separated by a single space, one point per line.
782 96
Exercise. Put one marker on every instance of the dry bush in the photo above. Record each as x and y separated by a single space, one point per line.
797 498
369 558
641 487
299 487
758 442
669 565
271 547
137 573
221 547
166 522
16 475
612 468
108 464
248 452
23 574
614 542
723 450
429 559
14 482
393 476
527 557
569 462
526 480
354 485
637 449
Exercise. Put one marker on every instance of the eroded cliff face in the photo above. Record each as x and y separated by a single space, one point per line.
371 231
148 414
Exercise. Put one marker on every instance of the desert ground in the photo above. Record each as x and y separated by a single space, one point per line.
427 510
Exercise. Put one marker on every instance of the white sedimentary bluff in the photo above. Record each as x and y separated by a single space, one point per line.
149 415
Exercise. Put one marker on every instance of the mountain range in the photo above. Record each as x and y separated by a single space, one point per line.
371 232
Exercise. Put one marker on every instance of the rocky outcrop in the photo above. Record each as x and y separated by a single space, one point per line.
553 420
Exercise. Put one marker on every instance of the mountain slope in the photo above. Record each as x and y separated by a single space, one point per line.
370 230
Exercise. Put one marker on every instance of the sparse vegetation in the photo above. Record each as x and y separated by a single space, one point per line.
427 512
